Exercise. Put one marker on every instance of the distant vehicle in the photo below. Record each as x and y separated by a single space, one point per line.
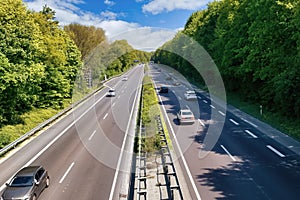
111 92
125 78
163 89
190 95
27 184
185 116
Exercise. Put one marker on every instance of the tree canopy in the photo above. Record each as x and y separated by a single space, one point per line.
38 60
256 46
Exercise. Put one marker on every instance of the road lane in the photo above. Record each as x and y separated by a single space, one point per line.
81 165
241 165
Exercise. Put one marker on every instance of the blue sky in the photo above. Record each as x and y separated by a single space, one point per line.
137 21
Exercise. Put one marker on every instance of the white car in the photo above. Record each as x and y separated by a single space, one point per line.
185 116
111 92
190 95
125 78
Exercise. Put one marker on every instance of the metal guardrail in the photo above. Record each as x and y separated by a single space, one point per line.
172 181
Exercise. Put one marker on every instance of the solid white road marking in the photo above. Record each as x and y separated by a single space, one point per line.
212 106
105 116
92 135
113 187
67 172
250 133
199 97
201 122
236 123
180 152
228 153
204 101
221 113
275 151
113 104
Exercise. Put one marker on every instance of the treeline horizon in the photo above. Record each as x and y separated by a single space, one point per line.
254 43
40 60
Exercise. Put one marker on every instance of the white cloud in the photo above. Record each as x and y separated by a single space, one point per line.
110 3
146 38
108 15
67 12
159 6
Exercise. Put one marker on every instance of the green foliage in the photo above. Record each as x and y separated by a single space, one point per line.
38 61
149 110
86 37
255 44
30 120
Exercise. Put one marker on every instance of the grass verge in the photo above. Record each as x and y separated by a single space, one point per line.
284 124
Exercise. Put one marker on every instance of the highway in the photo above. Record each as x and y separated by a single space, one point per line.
244 162
82 151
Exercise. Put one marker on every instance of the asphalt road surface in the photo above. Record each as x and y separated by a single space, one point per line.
82 150
243 163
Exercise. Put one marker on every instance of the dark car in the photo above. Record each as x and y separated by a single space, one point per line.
163 89
27 184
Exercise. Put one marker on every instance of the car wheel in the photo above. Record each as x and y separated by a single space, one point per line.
47 182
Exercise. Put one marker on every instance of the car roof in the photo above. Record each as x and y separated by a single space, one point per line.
28 171
190 91
185 110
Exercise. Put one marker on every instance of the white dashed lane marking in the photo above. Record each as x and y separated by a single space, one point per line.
90 138
222 113
105 116
228 153
236 123
201 122
67 172
250 133
276 151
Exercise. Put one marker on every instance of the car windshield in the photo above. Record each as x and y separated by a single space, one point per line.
111 90
186 113
22 181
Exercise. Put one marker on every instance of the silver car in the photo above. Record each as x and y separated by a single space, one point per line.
190 95
27 184
185 116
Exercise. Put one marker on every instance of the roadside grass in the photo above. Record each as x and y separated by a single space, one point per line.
149 112
284 124
30 120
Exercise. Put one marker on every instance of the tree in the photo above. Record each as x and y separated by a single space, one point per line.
86 37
